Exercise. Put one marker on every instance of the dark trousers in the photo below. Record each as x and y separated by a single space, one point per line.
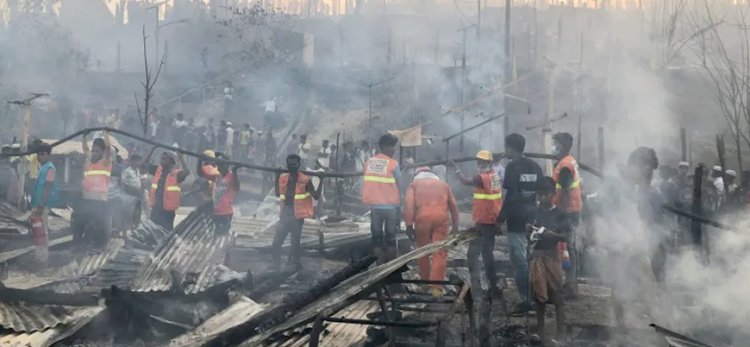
383 225
91 223
222 224
571 274
162 218
484 244
288 224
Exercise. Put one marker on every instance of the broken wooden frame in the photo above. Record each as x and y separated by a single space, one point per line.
459 304
348 292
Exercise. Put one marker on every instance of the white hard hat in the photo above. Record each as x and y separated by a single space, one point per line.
717 168
684 163
731 173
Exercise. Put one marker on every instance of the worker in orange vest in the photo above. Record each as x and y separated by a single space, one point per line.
296 192
164 193
381 194
568 197
226 185
209 172
91 220
431 209
488 199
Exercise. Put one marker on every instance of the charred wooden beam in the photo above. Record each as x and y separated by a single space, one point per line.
47 297
384 323
269 318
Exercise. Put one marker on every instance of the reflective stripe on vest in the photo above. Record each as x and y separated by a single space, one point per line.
97 173
154 186
379 179
575 184
480 196
296 196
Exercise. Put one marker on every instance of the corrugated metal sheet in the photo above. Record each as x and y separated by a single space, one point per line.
121 266
258 233
23 317
5 256
47 337
8 210
241 310
194 250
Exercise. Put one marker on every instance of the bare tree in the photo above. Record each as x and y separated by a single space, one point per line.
665 19
259 36
723 51
148 86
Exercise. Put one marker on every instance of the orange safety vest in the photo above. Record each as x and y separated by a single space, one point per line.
573 202
488 199
171 190
380 186
303 202
96 180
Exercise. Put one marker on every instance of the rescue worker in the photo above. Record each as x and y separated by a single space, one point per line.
520 183
226 185
164 193
92 218
430 209
488 200
208 172
296 192
380 192
568 197
46 194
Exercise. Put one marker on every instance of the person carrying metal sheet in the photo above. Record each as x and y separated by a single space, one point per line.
164 194
431 210
296 193
91 218
227 184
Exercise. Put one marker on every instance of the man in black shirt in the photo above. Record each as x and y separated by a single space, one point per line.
521 175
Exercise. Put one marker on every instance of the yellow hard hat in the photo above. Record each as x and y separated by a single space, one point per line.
209 153
484 155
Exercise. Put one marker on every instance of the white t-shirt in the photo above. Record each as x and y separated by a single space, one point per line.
270 105
304 150
324 157
230 137
180 123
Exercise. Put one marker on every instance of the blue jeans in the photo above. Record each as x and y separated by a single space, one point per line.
519 261
384 223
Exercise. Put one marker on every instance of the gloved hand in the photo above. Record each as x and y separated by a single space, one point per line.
536 235
410 232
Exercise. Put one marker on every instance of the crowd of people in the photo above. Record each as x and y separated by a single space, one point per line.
539 214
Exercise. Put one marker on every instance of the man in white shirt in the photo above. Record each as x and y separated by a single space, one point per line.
324 156
230 139
270 105
304 150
